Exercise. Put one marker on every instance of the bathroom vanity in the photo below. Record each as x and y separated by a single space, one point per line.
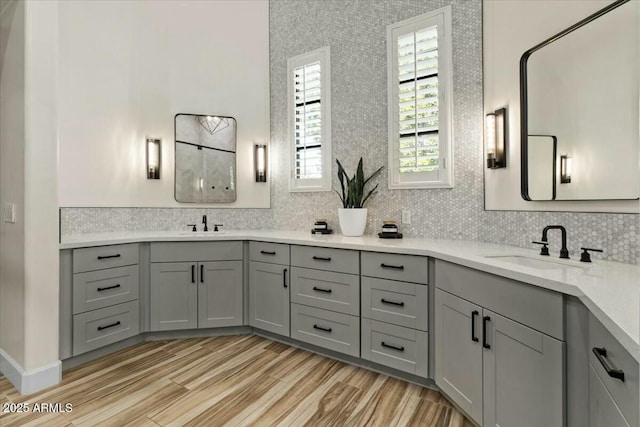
508 338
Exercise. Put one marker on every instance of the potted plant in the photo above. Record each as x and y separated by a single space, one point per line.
353 214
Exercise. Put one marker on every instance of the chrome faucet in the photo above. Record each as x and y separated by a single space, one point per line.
204 221
564 252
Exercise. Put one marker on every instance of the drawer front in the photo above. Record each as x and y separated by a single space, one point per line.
273 253
519 301
196 251
625 394
407 268
98 328
101 257
334 331
338 260
327 290
399 303
400 348
102 288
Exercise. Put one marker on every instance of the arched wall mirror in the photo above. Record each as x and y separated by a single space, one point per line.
579 96
205 159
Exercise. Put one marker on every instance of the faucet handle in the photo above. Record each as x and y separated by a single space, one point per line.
545 249
215 226
194 227
585 256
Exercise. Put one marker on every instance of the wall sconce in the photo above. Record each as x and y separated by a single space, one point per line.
260 161
565 169
497 139
153 157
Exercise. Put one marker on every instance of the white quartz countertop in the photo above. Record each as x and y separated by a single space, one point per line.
610 290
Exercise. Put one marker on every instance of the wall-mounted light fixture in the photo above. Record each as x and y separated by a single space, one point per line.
153 157
565 169
260 162
213 124
497 139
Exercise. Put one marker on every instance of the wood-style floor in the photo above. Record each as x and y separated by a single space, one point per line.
231 381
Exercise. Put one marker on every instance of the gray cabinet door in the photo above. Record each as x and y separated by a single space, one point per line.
523 375
219 294
269 297
174 296
459 352
603 410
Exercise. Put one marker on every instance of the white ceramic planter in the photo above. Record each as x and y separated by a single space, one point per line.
352 221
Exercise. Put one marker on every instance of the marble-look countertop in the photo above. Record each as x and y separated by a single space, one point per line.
610 290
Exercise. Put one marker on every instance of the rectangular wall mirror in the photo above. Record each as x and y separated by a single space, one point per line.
581 89
205 159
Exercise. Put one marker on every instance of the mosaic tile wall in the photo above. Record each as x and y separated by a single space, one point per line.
356 32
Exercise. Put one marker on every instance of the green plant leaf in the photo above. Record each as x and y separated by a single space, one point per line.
373 191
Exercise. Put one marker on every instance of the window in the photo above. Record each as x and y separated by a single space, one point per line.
310 121
420 81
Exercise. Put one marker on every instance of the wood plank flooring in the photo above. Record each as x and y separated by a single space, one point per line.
229 381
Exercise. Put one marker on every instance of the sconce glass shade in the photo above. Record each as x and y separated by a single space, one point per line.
260 160
153 158
496 134
565 169
213 124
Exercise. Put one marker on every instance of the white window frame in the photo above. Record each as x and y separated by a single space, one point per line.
321 55
444 179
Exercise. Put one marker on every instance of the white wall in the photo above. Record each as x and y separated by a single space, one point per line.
12 119
126 69
509 29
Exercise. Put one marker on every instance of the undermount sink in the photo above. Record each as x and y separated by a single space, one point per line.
200 233
539 263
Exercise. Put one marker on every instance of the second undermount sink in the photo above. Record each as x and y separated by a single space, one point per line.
539 263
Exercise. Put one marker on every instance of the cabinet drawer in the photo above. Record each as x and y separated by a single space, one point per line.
100 257
625 394
407 268
399 303
335 331
102 288
338 260
274 253
196 251
396 347
327 290
98 328
538 308
603 410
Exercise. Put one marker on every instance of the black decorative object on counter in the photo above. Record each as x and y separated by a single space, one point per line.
389 231
321 227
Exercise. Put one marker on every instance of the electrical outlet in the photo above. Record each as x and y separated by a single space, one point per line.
9 213
406 216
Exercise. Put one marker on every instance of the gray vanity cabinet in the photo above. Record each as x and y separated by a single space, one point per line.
603 410
174 296
459 352
269 297
502 371
196 285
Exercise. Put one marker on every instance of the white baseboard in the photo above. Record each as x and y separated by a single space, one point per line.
28 382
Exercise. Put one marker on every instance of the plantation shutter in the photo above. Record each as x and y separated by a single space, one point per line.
308 121
418 101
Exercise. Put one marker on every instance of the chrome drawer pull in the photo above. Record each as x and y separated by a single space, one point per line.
399 304
108 287
322 328
109 326
268 252
393 267
384 344
326 291
101 257
601 354
319 258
